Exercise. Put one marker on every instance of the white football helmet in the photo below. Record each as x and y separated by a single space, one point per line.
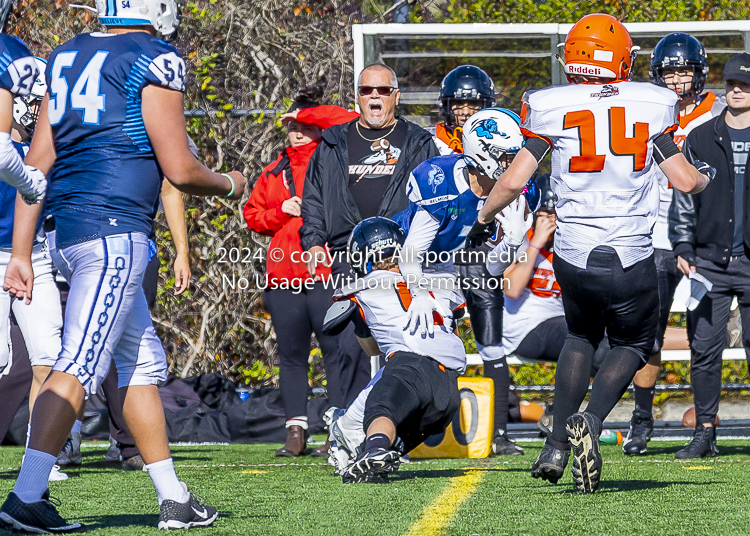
163 15
487 136
26 108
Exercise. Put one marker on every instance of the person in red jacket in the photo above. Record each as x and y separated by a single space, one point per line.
296 301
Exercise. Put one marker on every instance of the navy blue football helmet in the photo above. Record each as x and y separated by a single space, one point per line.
466 82
680 50
371 240
548 199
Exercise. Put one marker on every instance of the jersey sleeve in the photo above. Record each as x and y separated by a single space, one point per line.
532 122
167 68
426 189
18 70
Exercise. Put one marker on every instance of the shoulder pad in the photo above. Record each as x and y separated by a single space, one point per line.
338 316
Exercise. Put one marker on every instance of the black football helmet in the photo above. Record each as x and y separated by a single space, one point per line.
680 50
548 199
371 240
466 82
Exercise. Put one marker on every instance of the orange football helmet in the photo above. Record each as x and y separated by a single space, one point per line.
599 46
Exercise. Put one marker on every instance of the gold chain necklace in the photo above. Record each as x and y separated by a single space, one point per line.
376 139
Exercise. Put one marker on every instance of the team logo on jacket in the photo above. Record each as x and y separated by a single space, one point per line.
435 177
487 128
608 90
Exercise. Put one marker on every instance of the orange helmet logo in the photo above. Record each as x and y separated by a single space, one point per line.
599 46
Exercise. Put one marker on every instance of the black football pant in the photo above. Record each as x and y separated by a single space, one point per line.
485 306
707 330
417 394
604 295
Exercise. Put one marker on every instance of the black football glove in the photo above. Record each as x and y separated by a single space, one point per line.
480 233
705 169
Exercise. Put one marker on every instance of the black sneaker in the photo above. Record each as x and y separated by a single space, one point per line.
192 513
545 421
641 430
583 431
39 517
503 446
550 464
702 445
372 466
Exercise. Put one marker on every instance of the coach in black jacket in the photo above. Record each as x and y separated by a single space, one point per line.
710 234
359 170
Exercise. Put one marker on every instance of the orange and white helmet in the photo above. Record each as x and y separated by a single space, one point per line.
599 46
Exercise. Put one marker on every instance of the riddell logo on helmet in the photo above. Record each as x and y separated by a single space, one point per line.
588 70
585 69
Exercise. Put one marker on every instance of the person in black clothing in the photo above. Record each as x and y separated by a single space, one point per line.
359 170
710 234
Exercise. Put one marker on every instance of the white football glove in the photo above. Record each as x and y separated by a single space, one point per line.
33 193
515 225
419 315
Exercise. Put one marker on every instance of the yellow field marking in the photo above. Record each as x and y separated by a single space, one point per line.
253 472
698 468
440 512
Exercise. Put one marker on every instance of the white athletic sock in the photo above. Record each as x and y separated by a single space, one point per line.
28 434
165 480
76 428
35 470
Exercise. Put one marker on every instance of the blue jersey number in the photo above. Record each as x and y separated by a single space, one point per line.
84 96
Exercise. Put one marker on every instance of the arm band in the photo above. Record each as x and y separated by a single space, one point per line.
231 181
537 147
664 148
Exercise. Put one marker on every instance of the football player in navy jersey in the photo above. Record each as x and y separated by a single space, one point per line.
445 193
110 128
18 71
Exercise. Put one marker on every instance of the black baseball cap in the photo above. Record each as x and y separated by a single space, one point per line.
738 68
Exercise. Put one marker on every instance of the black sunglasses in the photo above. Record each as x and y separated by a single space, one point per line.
384 91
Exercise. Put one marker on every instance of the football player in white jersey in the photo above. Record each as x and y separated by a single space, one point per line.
607 136
679 63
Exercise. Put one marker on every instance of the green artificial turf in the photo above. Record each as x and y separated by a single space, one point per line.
259 494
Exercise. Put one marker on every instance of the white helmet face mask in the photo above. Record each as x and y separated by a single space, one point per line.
487 136
26 108
163 15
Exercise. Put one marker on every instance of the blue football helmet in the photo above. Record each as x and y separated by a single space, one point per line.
371 240
680 50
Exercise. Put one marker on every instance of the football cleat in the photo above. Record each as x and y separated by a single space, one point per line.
546 420
113 456
134 463
641 429
56 475
71 452
191 513
550 464
39 517
583 432
503 446
372 466
344 439
702 445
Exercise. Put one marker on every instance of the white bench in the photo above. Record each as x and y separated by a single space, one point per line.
666 355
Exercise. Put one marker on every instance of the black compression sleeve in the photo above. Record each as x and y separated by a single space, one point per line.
664 148
538 147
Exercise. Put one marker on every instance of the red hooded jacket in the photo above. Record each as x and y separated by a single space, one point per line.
263 210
